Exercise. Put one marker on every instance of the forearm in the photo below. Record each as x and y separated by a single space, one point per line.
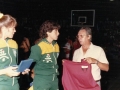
9 71
2 71
103 66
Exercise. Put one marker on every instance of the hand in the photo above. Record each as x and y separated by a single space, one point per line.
10 71
90 60
26 71
63 61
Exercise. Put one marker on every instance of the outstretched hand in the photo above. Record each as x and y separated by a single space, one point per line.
63 60
11 71
26 71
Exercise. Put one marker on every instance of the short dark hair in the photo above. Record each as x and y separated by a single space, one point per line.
88 30
48 26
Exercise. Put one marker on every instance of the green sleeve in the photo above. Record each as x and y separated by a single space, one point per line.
17 56
35 53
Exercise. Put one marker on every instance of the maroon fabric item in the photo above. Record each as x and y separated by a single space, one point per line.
77 78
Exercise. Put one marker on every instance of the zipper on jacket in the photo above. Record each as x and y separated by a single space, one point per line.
53 77
54 55
10 58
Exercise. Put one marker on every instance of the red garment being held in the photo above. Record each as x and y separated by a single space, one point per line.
77 76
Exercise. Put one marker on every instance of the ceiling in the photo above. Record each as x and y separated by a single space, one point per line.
60 9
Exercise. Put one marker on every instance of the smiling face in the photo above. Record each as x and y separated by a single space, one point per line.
83 37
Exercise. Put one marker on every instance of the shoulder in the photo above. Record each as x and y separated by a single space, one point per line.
77 50
98 48
35 46
41 43
12 43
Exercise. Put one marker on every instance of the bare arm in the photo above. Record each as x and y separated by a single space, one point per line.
102 66
9 71
27 42
2 71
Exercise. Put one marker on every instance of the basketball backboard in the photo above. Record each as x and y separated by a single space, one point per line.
82 18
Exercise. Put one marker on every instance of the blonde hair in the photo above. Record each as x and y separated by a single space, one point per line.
7 21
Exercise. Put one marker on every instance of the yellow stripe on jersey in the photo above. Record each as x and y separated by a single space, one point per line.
2 44
48 48
11 43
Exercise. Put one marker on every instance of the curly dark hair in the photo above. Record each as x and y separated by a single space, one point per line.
48 26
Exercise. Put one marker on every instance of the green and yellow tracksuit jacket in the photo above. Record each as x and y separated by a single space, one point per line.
8 57
45 55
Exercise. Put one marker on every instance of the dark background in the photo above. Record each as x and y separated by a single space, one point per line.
30 14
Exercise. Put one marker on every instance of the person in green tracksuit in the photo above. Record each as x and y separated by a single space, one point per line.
8 54
45 54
